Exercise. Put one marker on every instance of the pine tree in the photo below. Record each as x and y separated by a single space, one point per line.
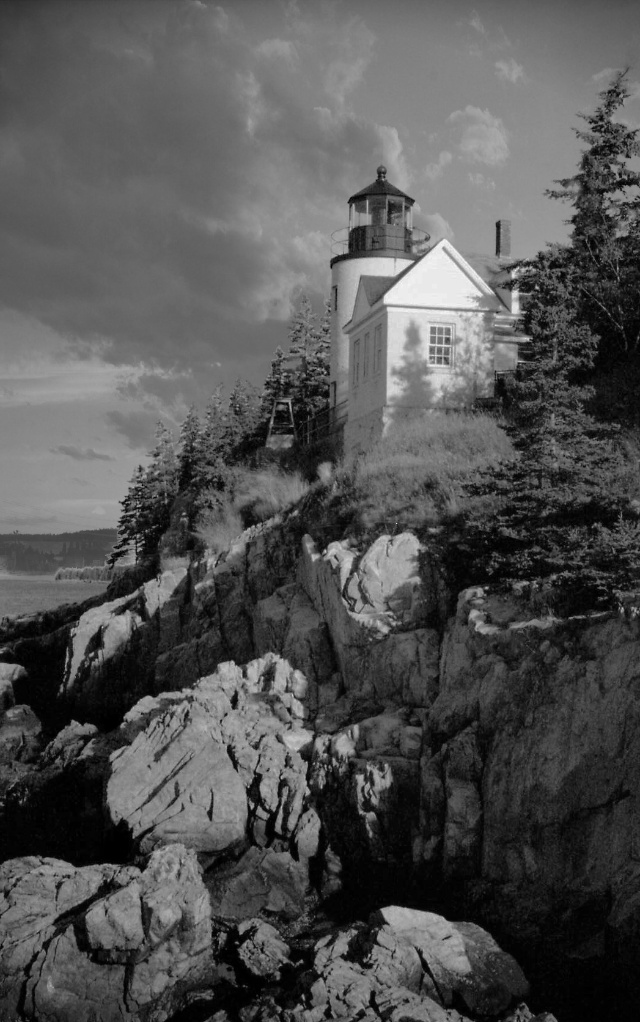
163 470
212 455
278 383
308 357
243 420
188 445
134 520
605 238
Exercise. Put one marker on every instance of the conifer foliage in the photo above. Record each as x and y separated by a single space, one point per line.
605 236
303 372
567 507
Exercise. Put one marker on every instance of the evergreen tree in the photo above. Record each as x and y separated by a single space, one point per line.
278 383
212 456
163 470
605 238
243 421
133 521
308 357
188 446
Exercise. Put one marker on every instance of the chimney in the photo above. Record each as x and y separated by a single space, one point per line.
503 238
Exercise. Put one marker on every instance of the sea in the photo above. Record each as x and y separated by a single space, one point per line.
27 594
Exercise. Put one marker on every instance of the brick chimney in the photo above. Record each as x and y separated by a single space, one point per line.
503 238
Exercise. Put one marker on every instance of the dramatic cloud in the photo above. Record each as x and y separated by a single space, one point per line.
154 160
483 137
81 453
509 71
435 170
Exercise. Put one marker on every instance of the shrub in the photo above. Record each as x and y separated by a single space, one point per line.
217 529
261 494
412 478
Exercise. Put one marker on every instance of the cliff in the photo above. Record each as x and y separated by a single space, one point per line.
317 728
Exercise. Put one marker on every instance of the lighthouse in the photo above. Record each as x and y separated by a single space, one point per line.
380 243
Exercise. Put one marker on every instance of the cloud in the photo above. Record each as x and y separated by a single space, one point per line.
479 180
476 23
355 51
137 427
605 75
435 170
436 226
483 137
509 71
495 39
154 167
81 453
278 49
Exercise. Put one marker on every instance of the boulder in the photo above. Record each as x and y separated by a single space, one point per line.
9 674
263 883
384 650
462 960
112 649
261 949
175 781
102 943
20 735
214 764
366 782
411 966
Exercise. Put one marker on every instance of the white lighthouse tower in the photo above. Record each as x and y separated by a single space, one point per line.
380 244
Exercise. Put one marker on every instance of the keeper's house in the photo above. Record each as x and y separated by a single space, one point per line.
414 328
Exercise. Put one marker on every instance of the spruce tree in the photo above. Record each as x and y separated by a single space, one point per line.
308 357
212 455
278 383
188 445
243 420
605 236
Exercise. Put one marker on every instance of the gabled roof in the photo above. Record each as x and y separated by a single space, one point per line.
492 269
375 287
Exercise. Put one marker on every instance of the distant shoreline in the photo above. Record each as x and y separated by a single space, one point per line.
36 575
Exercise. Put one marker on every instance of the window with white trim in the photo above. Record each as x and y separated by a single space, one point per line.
365 361
377 349
356 362
441 346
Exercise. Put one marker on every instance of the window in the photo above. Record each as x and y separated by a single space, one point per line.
356 362
377 349
333 394
441 346
334 292
365 361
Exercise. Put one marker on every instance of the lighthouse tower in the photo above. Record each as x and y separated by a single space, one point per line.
380 244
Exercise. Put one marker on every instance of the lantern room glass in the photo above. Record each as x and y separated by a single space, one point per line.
377 210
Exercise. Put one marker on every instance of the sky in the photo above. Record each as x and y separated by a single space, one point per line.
171 173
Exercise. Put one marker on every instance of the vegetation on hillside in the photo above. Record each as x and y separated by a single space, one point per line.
196 485
549 494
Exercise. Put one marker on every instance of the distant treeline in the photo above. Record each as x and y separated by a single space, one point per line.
95 573
44 554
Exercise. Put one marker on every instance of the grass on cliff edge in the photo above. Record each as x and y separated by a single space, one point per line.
414 477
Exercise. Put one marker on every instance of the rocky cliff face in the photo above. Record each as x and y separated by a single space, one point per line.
313 728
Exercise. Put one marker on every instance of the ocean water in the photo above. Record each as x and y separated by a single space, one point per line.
26 594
